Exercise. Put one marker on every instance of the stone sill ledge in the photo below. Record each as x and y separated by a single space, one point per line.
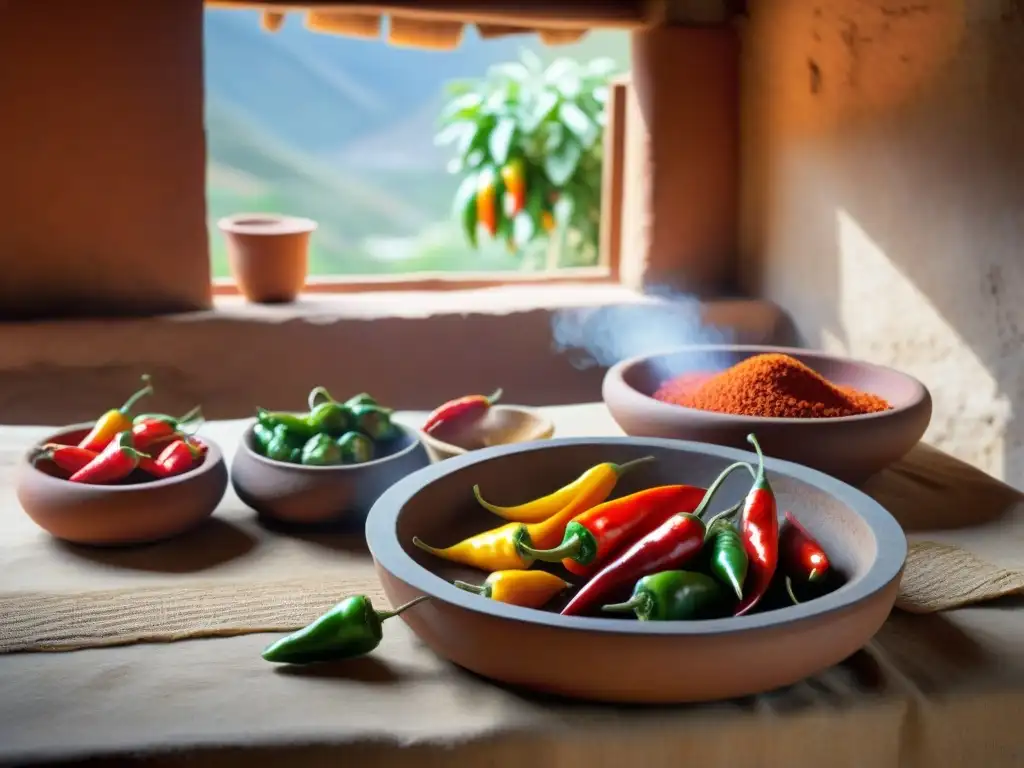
411 349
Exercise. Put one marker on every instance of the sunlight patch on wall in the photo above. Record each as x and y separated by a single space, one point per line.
887 319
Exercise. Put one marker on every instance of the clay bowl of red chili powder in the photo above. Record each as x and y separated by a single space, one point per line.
848 418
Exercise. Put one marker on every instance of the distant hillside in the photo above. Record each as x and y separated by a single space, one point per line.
341 130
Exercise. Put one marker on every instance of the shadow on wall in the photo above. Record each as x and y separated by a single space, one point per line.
884 197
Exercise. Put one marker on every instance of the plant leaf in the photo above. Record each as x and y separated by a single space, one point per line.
452 133
601 67
523 228
543 108
561 164
564 208
500 140
555 137
559 68
465 207
459 87
513 70
576 120
462 107
531 61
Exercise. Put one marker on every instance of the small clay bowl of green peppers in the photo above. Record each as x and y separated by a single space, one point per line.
327 463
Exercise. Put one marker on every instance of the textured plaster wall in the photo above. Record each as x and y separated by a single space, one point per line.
883 200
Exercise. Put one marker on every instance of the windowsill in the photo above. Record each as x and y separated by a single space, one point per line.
411 349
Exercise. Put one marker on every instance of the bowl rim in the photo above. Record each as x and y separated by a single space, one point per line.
890 543
214 456
243 445
457 450
616 373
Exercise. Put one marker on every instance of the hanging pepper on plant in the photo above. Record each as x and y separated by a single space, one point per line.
759 531
669 546
487 201
513 176
527 589
351 628
114 421
508 547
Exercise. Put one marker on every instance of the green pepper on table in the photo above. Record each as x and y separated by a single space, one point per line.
351 628
296 423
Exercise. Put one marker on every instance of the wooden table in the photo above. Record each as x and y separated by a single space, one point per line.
936 690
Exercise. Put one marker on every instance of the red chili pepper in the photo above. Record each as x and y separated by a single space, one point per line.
800 555
150 430
69 458
669 546
597 533
759 531
453 409
178 457
113 463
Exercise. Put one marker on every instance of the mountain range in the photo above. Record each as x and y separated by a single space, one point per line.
341 130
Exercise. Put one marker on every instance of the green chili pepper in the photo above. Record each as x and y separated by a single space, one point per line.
361 399
356 448
331 418
674 596
321 451
293 439
374 421
296 423
261 437
728 560
281 448
351 628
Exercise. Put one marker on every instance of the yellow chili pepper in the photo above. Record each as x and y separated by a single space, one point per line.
528 589
547 221
501 548
115 421
600 480
494 550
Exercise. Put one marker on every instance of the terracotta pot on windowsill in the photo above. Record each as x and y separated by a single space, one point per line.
268 254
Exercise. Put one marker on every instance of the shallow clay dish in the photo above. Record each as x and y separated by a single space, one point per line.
502 425
851 448
292 493
619 660
138 512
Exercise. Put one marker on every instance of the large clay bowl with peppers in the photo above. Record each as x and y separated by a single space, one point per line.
851 448
136 510
586 655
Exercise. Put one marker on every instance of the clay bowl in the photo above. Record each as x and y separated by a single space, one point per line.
294 494
851 448
138 512
617 660
502 425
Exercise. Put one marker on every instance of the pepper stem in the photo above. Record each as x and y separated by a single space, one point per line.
713 488
789 591
814 575
418 542
193 415
319 395
385 615
131 401
636 601
567 549
621 469
494 396
723 515
484 590
759 477
124 445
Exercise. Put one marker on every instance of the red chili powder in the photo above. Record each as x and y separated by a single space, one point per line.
769 385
